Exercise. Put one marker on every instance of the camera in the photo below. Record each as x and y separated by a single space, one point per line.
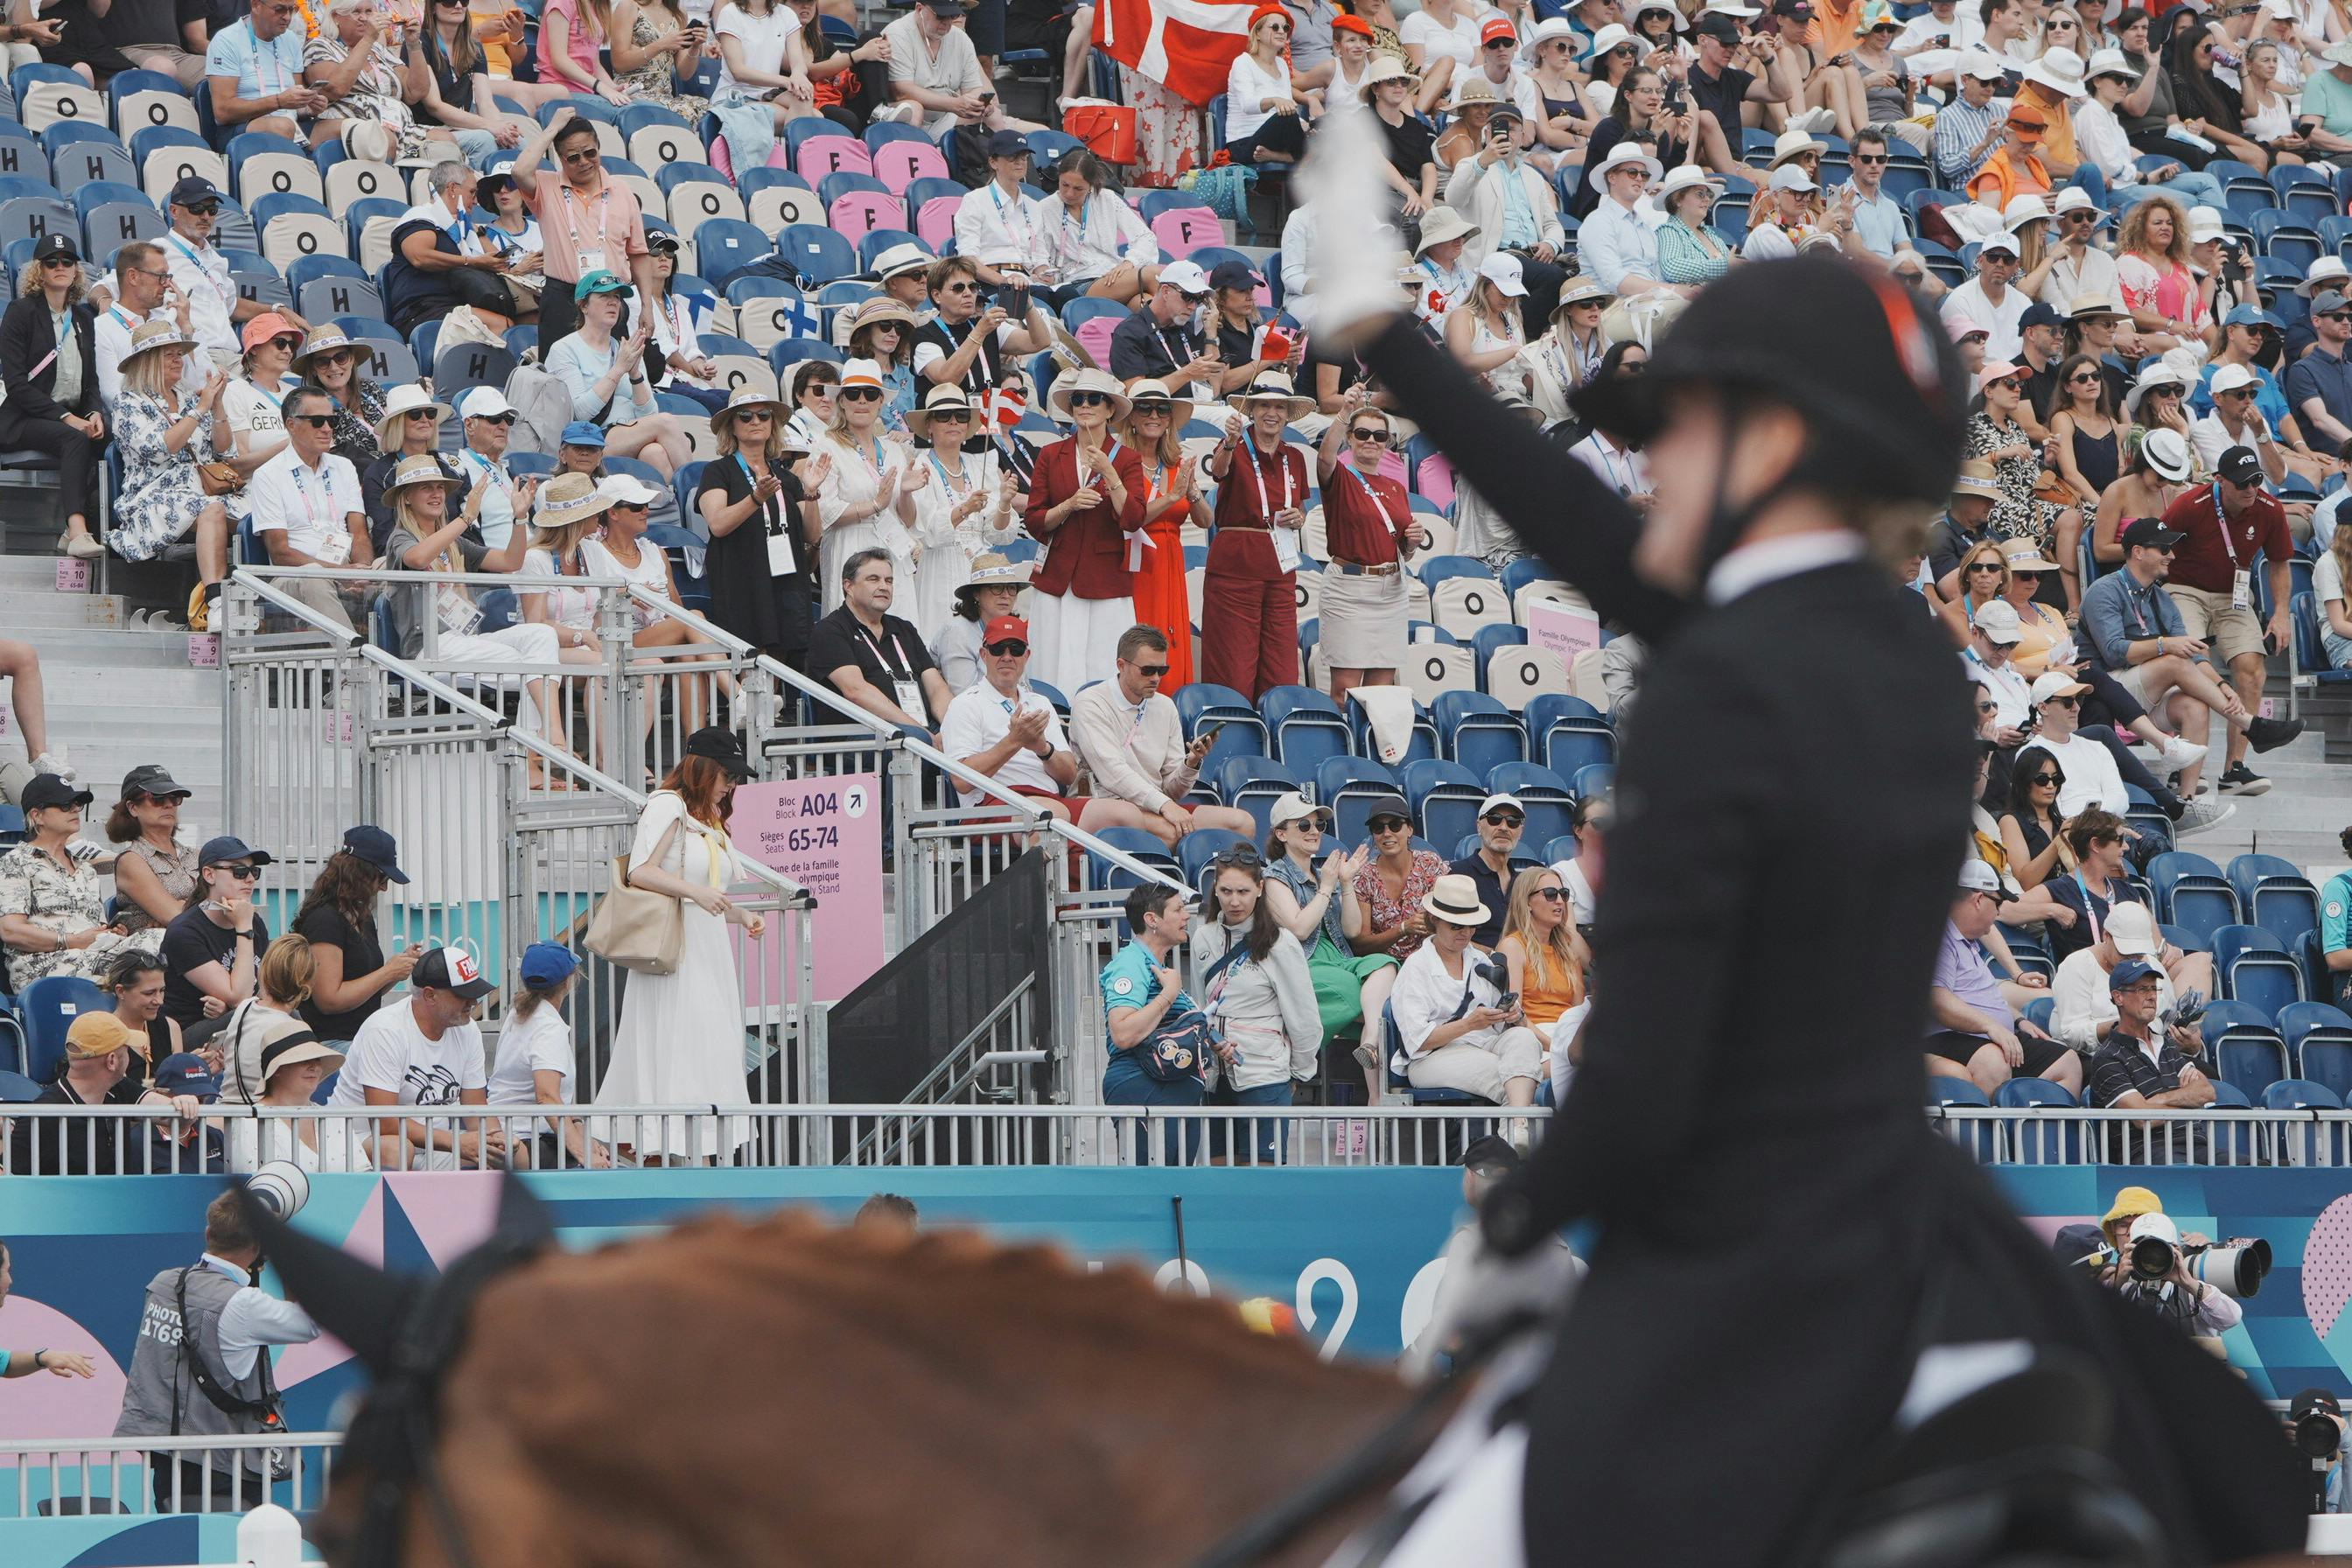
2235 1267
1495 971
2316 1434
280 1186
2186 1009
2150 1259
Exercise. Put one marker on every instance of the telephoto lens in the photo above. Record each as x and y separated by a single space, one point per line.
2317 1436
281 1186
2151 1259
2235 1267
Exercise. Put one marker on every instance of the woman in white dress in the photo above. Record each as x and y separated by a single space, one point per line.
867 501
970 506
569 512
680 1038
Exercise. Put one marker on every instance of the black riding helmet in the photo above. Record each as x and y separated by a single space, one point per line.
1867 365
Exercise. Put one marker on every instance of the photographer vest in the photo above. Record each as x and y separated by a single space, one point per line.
2165 1299
162 1397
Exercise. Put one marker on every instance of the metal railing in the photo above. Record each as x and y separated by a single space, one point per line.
55 1476
2081 1135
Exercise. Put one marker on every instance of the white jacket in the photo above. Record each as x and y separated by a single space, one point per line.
1477 194
1267 1009
2079 1003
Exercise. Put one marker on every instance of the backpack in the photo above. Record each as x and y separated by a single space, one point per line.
542 409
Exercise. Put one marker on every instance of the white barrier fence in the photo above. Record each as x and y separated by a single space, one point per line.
56 1479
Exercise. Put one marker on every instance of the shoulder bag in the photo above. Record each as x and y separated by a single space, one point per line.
637 929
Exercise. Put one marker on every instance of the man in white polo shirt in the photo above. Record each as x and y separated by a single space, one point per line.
1994 631
1001 728
307 509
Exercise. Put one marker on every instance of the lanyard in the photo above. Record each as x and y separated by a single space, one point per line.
302 493
981 374
276 399
1180 351
1093 481
903 669
959 485
1257 478
2090 915
1074 236
872 466
1363 484
2221 521
226 291
1625 483
604 202
773 511
1011 217
266 50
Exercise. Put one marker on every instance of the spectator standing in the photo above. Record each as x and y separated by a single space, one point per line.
536 1058
1172 501
427 1052
253 69
52 904
154 873
873 658
1001 728
1392 888
1142 992
867 499
1320 905
309 510
337 917
48 362
211 952
588 221
1977 1034
1249 607
1258 996
1087 504
210 1312
1129 737
1369 532
281 1065
760 514
1484 1048
2222 527
163 436
994 590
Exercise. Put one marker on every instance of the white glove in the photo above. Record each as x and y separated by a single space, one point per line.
1491 1289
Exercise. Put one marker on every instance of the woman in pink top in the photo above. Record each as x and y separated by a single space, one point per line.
2153 273
571 32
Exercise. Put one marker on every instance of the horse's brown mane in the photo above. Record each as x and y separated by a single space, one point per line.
780 1392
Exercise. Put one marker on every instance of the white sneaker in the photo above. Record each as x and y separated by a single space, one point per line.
54 762
2178 753
2200 816
1816 123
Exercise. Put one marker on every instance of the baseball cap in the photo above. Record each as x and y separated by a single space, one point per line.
194 191
2324 303
2147 532
1291 807
2134 934
1497 27
600 281
2242 467
151 778
375 846
2131 971
228 847
2055 683
1234 275
1492 801
2253 316
546 964
1977 877
1381 805
722 746
1005 629
1008 144
2133 1201
661 242
2025 117
453 970
1503 270
1982 67
2310 1400
625 490
946 8
2204 223
55 244
186 1073
2041 313
1997 620
1490 1153
48 790
484 403
582 433
1717 26
2230 378
1795 10
2158 1225
95 1034
2004 243
1789 177
1184 276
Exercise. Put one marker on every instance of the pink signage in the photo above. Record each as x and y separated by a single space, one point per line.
1566 630
825 834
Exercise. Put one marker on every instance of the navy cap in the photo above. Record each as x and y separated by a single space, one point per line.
154 779
2147 532
1717 26
1234 275
1009 144
2242 467
47 790
375 846
2130 973
546 964
451 969
193 190
582 433
55 244
227 847
2312 1399
2254 316
186 1074
2041 313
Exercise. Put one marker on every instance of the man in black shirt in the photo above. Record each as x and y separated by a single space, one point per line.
2043 332
167 35
1718 84
875 659
1146 344
97 1072
1963 525
1501 820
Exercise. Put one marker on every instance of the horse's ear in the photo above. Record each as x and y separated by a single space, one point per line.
522 1216
354 1301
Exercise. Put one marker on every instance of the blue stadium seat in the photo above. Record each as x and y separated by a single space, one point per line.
1477 731
2275 895
820 253
1136 845
1548 801
2243 1045
1253 784
1592 779
1306 727
876 241
1423 745
1942 1090
724 246
46 1009
16 1088
1437 569
1198 847
1348 786
2251 965
1241 731
2038 1010
1401 1083
1087 308
2036 1143
1445 798
2312 1027
2191 891
1565 733
842 182
881 133
2300 1094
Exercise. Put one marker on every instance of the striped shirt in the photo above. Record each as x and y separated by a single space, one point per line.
1959 129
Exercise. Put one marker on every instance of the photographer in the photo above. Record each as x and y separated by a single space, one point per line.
201 1368
2154 1273
2315 1427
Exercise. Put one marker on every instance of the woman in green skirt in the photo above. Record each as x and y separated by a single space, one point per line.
1320 908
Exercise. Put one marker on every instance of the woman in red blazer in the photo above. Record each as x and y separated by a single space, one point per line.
1087 504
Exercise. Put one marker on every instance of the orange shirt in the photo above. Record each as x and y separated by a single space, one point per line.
2003 178
2058 141
1832 31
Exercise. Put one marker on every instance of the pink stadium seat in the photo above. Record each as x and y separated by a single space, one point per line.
899 164
723 160
823 155
1182 230
936 222
857 213
1094 336
1437 480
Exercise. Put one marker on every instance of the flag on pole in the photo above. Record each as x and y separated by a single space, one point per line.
1186 46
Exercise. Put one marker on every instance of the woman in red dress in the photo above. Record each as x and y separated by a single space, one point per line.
1085 503
1171 497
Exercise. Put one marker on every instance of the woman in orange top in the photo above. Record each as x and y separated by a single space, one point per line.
1171 497
1545 953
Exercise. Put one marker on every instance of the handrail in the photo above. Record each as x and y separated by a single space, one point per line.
1025 986
789 894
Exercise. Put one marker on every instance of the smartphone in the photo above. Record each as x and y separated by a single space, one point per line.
2308 123
1015 302
1506 1001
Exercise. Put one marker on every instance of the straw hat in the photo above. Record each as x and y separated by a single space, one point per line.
1269 386
267 1042
1976 479
1792 142
1621 154
946 396
878 310
398 405
1472 90
565 500
1684 177
742 397
1441 225
1180 411
163 332
1384 67
1088 379
320 340
993 571
1581 290
2155 376
903 256
2025 555
2089 307
424 469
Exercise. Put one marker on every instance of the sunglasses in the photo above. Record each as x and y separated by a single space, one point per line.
861 395
289 343
1151 671
1502 44
332 356
1504 819
1378 437
1150 410
966 287
1984 565
2089 378
1319 821
2108 839
1012 647
485 418
2077 216
2067 701
315 421
2039 780
952 416
2337 316
1387 825
754 415
618 505
203 209
60 261
242 873
2025 575
584 155
1869 157
1191 299
1988 707
1090 399
2236 392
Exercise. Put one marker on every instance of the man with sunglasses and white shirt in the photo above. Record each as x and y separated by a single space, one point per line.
1001 728
307 509
1502 822
200 272
1132 744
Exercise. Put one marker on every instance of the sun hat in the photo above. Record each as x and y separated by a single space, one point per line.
1685 178
903 256
1443 224
1088 379
1180 413
947 396
1581 290
1976 479
2156 375
1504 271
2132 1202
1454 898
1997 370
2059 70
1384 67
1472 90
2204 225
424 469
1616 35
2108 62
565 500
2167 454
2085 307
1551 30
1642 7
268 1042
1621 154
1272 386
745 396
1791 144
2076 199
163 332
2026 555
399 403
878 310
262 327
993 571
863 372
2024 209
2329 269
321 340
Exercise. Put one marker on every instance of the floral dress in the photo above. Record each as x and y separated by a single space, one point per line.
59 901
355 425
1384 912
656 81
161 494
376 95
2017 515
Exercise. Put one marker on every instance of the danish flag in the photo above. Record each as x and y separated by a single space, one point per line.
1186 46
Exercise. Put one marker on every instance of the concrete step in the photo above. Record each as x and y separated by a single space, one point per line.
29 609
34 572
